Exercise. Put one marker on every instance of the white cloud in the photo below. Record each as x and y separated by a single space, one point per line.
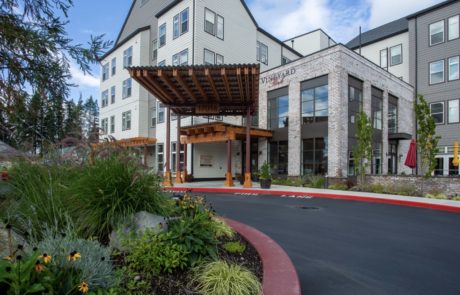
79 78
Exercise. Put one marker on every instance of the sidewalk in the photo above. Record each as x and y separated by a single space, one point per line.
218 187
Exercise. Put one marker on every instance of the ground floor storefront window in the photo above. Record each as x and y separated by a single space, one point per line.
279 158
315 156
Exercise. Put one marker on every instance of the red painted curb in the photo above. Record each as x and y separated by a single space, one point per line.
279 274
322 195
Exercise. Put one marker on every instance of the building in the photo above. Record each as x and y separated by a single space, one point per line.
423 49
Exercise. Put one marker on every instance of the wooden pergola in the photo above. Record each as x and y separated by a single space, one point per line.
205 90
134 142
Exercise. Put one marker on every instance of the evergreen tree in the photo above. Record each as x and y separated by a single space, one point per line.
92 120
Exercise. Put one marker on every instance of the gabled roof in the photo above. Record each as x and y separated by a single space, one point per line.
122 42
431 8
124 23
387 30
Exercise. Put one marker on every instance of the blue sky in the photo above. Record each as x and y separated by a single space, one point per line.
283 18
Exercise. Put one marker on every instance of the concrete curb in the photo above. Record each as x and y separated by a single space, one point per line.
416 204
279 274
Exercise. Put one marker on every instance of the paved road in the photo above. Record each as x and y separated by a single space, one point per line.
347 247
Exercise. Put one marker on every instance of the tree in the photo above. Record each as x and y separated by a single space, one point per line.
91 111
427 141
362 151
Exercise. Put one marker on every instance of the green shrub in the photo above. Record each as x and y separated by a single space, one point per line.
221 229
234 247
339 186
438 196
315 181
377 188
219 277
111 190
288 181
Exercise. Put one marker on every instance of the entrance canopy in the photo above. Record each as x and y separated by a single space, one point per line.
129 142
203 90
213 132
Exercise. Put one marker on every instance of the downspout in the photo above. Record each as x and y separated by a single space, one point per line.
416 90
192 152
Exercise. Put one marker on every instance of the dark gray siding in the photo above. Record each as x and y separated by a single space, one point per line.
419 29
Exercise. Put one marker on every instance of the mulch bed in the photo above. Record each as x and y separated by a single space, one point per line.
178 283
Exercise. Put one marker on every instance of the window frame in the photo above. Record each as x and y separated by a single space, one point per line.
114 66
113 94
161 109
213 33
217 56
105 71
458 111
160 146
270 120
204 57
458 68
128 57
314 102
153 116
105 126
176 26
443 72
126 94
112 124
218 16
443 112
160 35
443 33
181 21
458 27
391 56
261 45
386 57
124 121
105 98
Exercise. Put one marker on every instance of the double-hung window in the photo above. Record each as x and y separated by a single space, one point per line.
105 98
453 27
153 117
105 72
114 66
180 58
112 94
176 31
112 124
219 59
209 57
128 57
437 112
437 72
184 21
161 113
220 27
126 121
213 24
454 68
384 58
262 53
127 85
437 33
453 114
104 125
162 34
396 55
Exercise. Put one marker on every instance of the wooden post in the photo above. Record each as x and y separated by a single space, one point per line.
167 182
228 175
247 174
184 175
178 145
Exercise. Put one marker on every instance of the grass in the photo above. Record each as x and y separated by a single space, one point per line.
234 247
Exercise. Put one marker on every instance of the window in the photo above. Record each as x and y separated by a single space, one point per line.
220 27
153 116
128 57
453 170
160 157
351 164
162 63
209 57
437 112
105 98
355 94
104 125
155 51
453 68
262 53
396 55
174 156
176 30
437 33
114 66
162 34
439 168
315 104
285 60
279 157
209 21
180 58
392 118
377 158
112 124
453 28
384 58
127 88
161 113
184 21
437 72
105 72
278 112
315 156
126 121
112 95
219 59
453 111
376 107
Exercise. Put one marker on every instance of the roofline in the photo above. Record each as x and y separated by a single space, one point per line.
312 31
431 8
123 42
380 39
278 41
126 20
167 8
249 12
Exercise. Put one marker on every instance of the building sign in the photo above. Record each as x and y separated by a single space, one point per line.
278 78
206 161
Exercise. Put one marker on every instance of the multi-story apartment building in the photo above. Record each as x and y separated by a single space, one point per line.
423 49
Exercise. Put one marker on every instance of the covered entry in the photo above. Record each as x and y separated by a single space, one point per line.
208 90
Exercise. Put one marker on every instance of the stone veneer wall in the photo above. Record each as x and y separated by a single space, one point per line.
449 186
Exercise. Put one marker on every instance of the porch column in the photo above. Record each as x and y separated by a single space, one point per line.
228 175
167 182
178 145
145 156
247 174
184 175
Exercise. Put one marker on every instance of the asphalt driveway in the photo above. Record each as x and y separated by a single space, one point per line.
348 247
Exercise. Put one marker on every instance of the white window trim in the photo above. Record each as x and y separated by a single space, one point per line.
448 68
391 56
443 111
204 57
159 35
448 111
443 32
443 71
458 27
181 21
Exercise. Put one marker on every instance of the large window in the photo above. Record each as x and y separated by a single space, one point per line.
453 111
162 34
453 68
128 57
114 66
126 121
437 112
160 157
105 98
262 53
437 72
105 71
153 117
279 157
112 124
278 112
377 106
174 149
161 113
315 104
180 58
209 57
437 33
392 116
315 156
355 94
453 29
396 55
127 88
384 58
112 94
104 125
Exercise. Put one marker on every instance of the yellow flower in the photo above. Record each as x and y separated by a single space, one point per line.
39 266
74 255
46 258
83 287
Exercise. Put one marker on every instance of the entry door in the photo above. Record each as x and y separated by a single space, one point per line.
393 159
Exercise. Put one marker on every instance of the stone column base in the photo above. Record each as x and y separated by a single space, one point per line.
247 180
184 176
179 177
228 179
167 181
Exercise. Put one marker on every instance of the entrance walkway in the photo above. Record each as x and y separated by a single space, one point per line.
217 187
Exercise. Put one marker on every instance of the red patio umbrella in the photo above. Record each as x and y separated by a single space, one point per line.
411 158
